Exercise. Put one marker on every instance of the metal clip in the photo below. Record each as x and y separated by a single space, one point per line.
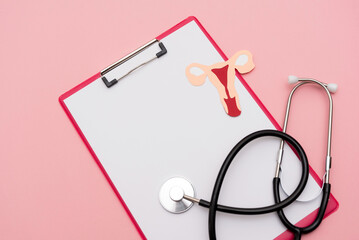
109 84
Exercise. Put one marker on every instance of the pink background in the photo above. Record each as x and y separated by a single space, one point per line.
51 188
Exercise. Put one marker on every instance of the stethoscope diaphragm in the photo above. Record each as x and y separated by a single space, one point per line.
172 195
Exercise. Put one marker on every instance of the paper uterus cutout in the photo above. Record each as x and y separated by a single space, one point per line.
222 76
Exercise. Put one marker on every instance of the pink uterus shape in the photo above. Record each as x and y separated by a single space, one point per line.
222 77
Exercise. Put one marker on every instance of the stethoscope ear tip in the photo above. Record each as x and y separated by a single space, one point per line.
332 87
292 79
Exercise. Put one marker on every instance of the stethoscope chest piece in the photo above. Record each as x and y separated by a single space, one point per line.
172 193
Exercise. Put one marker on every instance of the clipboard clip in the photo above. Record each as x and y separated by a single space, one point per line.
109 84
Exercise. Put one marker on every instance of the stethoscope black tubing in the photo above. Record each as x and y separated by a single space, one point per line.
298 231
214 206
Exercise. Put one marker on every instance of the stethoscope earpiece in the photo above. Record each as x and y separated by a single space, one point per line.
292 79
332 87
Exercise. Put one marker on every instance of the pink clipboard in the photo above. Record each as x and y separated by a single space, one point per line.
332 205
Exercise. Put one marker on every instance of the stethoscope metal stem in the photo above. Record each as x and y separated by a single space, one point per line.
303 81
192 199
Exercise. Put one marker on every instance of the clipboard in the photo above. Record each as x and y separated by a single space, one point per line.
153 125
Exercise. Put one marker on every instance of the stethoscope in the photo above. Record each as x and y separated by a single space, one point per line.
177 194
